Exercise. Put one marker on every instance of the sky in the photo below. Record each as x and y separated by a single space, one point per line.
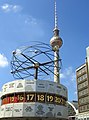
22 21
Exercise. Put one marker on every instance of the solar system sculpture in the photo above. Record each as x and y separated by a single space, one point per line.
30 97
35 61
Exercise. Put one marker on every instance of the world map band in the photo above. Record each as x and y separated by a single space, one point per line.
33 97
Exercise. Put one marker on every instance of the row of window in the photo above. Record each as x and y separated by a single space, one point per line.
82 85
81 71
84 100
84 108
83 92
81 78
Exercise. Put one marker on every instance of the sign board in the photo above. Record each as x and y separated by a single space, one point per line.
8 110
29 109
30 85
18 110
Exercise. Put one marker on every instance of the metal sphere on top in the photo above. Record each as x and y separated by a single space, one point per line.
56 41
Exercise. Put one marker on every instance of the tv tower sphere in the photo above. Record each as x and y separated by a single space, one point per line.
56 41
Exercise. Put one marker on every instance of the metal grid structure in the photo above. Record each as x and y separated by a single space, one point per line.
36 60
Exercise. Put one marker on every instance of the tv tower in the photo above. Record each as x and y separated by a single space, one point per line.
56 43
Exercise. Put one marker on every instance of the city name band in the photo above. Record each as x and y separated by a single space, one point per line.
33 97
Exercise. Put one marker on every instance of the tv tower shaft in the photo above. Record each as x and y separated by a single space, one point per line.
56 43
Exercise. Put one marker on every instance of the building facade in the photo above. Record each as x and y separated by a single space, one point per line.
82 77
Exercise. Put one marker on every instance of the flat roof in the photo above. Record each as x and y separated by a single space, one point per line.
80 67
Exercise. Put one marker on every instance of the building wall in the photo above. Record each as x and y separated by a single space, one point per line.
87 52
82 77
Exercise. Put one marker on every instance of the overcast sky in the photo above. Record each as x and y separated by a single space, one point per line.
22 21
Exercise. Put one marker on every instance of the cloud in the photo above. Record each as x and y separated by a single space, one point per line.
62 76
76 95
69 74
75 92
30 20
3 61
68 78
8 8
30 28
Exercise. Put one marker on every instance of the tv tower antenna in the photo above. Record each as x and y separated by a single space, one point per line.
55 15
56 43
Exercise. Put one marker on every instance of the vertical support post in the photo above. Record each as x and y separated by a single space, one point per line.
36 73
